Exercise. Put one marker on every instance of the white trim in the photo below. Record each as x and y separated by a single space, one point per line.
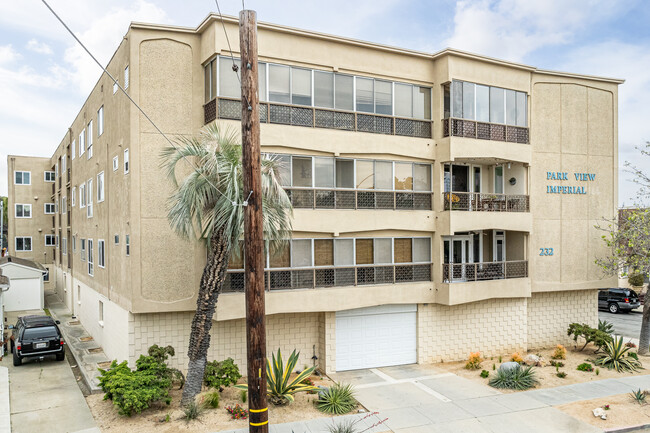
45 173
45 209
24 206
23 172
127 161
101 243
31 245
100 175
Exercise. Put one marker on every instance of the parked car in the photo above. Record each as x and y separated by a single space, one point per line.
617 299
36 337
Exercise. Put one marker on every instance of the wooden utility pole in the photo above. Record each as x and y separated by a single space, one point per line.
253 229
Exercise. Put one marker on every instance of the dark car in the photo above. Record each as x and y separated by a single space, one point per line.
36 337
616 300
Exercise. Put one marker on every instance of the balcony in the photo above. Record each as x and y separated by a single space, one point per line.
464 272
311 278
486 202
484 131
283 114
310 198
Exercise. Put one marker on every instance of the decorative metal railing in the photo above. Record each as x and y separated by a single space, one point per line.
313 198
227 108
462 272
484 131
311 278
486 202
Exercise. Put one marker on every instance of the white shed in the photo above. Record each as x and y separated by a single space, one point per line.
25 284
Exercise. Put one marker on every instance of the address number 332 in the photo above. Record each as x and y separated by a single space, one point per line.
546 251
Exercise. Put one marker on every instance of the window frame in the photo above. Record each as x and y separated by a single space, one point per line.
82 142
53 175
31 246
73 195
23 207
91 258
89 198
127 165
89 147
52 242
116 162
100 121
101 253
52 207
22 177
100 187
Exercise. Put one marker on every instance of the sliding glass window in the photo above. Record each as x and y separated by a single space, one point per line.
279 84
488 104
229 86
300 86
384 97
344 92
365 95
323 89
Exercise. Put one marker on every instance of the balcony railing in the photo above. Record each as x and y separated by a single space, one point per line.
311 278
486 202
310 198
484 131
227 108
462 272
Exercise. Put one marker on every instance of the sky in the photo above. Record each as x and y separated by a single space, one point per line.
45 77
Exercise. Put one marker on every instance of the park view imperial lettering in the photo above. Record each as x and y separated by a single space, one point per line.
564 189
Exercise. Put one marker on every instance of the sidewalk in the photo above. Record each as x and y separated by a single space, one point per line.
85 350
5 409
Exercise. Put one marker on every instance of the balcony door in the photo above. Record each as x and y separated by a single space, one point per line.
458 254
499 246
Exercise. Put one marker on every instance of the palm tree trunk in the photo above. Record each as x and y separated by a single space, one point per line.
644 338
212 280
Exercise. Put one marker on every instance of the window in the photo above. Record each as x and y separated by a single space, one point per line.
302 174
50 240
127 243
468 100
323 89
126 161
89 202
383 97
324 172
57 241
90 139
56 168
46 275
64 160
91 263
50 176
82 142
300 86
383 175
23 243
64 205
488 104
82 196
343 92
323 252
343 252
126 77
23 211
117 239
116 162
345 173
100 187
101 313
100 121
365 174
482 103
301 253
210 80
64 246
22 178
49 208
74 244
279 84
73 149
100 253
56 205
403 100
83 250
228 82
73 195
422 177
421 102
365 95
115 87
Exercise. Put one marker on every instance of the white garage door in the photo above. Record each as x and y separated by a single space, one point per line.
376 337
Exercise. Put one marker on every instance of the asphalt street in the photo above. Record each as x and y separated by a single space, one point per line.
625 324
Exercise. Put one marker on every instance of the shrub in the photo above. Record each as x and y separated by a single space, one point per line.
192 410
474 361
243 396
485 374
279 387
516 357
633 355
237 412
630 344
133 391
561 374
585 366
310 382
559 352
221 374
589 334
557 363
157 361
597 371
336 400
639 396
518 378
494 367
635 280
350 425
614 357
605 326
211 399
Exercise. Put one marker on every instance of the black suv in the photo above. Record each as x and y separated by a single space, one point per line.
616 300
36 337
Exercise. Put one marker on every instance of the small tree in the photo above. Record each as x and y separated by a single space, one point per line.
628 240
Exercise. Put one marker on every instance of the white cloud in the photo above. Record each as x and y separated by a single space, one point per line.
8 54
511 29
39 47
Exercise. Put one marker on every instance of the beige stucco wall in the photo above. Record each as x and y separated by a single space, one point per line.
550 313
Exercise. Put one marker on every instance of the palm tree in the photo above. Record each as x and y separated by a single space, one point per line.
208 205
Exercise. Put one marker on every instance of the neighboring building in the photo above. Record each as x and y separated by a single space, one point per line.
25 284
444 203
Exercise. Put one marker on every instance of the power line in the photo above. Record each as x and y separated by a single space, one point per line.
196 169
234 66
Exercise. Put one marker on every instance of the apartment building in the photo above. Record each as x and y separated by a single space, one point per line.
444 203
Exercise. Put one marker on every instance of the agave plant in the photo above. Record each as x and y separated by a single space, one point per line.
639 396
336 400
614 357
279 387
515 378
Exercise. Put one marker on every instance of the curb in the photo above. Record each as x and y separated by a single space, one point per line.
5 409
629 429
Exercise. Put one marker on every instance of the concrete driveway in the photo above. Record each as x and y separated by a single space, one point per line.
420 398
45 397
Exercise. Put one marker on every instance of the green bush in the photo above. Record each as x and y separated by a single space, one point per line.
615 357
561 374
589 334
585 366
133 391
518 378
221 374
485 374
635 280
192 411
336 400
211 399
